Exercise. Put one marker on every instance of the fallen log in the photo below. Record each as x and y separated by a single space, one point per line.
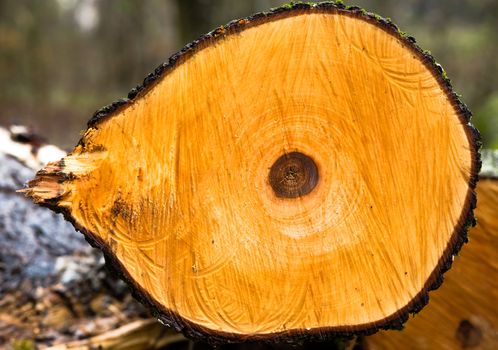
303 173
463 313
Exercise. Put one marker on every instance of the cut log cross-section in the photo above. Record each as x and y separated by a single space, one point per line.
463 313
307 171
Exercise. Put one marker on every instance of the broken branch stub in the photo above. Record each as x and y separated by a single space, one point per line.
304 172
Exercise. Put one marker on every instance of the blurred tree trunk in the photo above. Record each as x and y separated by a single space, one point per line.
194 18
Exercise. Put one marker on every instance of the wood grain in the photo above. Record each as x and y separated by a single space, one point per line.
174 185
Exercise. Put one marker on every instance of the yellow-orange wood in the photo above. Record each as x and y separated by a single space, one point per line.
176 184
463 313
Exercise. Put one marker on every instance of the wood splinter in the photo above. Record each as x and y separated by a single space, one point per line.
307 172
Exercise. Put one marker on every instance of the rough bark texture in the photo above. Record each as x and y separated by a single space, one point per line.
170 205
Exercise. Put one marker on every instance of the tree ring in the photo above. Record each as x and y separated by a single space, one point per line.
293 175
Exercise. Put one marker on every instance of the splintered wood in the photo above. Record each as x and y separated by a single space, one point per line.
308 171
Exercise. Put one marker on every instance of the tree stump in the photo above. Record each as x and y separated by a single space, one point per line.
302 173
463 313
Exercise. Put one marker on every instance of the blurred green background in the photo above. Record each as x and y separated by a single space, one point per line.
60 60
